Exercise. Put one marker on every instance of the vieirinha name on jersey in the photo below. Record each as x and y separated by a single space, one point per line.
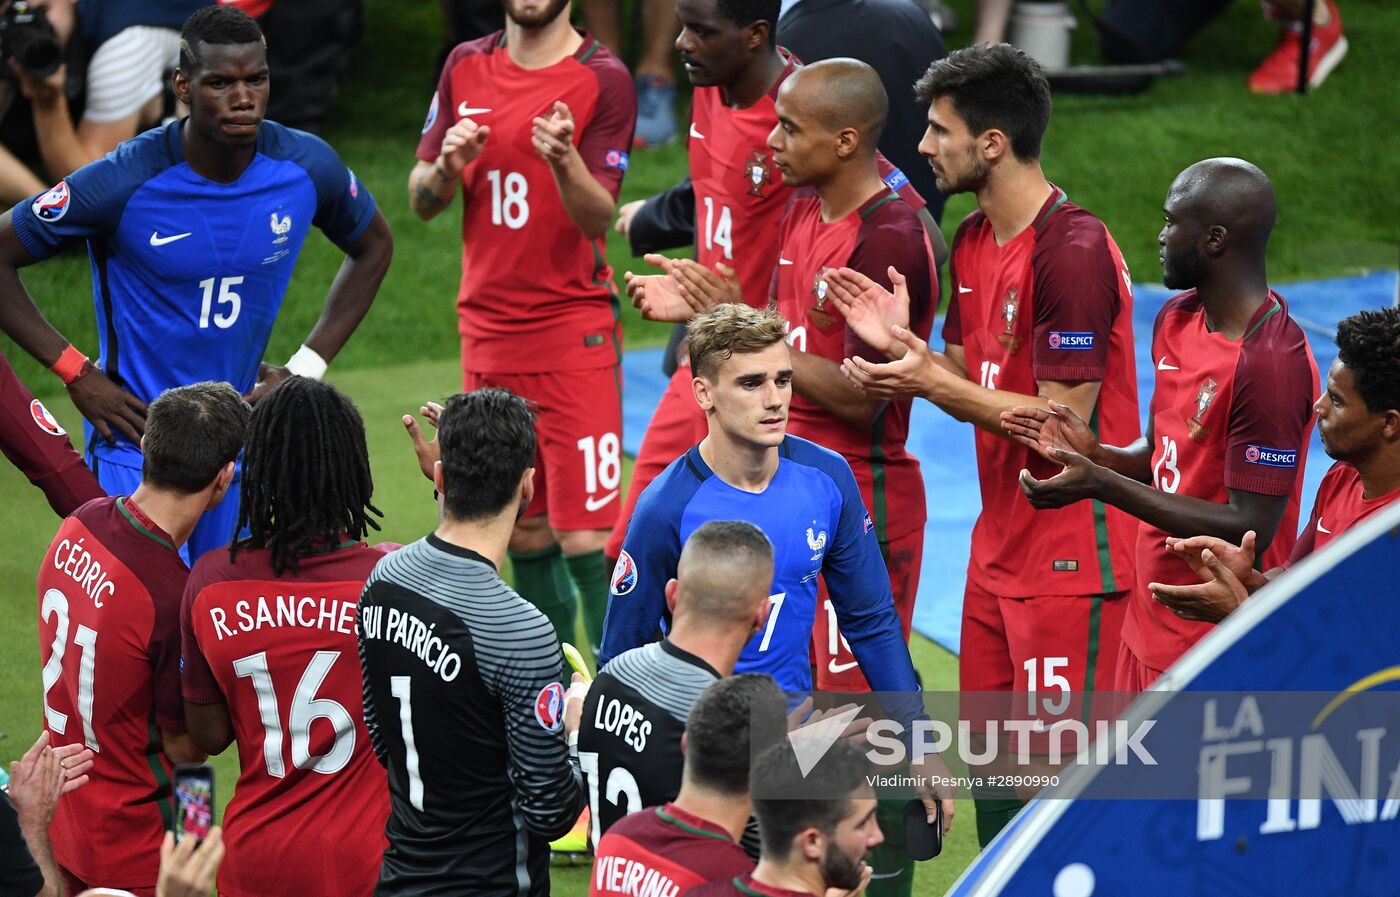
412 634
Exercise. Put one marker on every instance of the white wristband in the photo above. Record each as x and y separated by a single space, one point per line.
306 363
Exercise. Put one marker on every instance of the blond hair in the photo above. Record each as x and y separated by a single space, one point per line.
725 329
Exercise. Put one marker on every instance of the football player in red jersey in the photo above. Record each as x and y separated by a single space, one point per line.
1042 307
533 124
269 649
109 630
1358 418
816 827
732 57
37 444
1231 410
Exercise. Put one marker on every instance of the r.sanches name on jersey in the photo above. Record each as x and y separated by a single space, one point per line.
283 611
1271 457
412 634
624 721
1069 339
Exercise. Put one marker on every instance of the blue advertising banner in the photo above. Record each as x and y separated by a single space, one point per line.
1328 631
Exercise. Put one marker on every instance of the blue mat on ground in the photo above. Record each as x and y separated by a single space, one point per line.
944 446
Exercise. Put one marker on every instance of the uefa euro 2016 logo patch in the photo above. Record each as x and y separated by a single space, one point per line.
549 707
1270 457
432 113
1067 339
44 420
54 204
624 578
616 159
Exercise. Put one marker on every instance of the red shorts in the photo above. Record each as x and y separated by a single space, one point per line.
836 666
676 425
38 445
1132 675
578 463
1069 642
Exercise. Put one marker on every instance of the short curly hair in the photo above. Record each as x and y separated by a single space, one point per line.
725 329
1369 344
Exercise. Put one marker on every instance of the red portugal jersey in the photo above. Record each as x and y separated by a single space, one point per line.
1341 504
739 195
743 886
307 815
1055 303
536 294
109 637
882 232
663 852
1226 414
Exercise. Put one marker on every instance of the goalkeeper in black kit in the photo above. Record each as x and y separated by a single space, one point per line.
464 694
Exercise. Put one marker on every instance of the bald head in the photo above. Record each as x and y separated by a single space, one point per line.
840 93
1229 193
724 573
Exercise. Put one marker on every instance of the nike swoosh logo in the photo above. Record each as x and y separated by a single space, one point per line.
158 240
1323 529
694 133
835 667
963 289
466 111
591 504
783 261
1163 366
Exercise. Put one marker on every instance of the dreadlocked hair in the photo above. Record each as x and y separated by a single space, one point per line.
306 474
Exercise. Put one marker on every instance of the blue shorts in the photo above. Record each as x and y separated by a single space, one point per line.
215 529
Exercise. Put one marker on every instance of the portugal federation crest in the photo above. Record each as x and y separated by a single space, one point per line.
1010 311
758 170
1204 397
818 312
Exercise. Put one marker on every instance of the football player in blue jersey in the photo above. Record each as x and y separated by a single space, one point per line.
803 496
193 230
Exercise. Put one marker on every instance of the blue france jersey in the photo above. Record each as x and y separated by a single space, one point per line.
188 274
812 513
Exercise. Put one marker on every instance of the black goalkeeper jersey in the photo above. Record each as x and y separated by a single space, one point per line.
464 702
629 740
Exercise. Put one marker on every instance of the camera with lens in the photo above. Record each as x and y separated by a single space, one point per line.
26 35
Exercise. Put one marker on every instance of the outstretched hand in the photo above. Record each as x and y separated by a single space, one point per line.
870 310
1205 602
1046 429
1079 480
685 288
462 143
553 137
1239 559
914 373
188 869
426 449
